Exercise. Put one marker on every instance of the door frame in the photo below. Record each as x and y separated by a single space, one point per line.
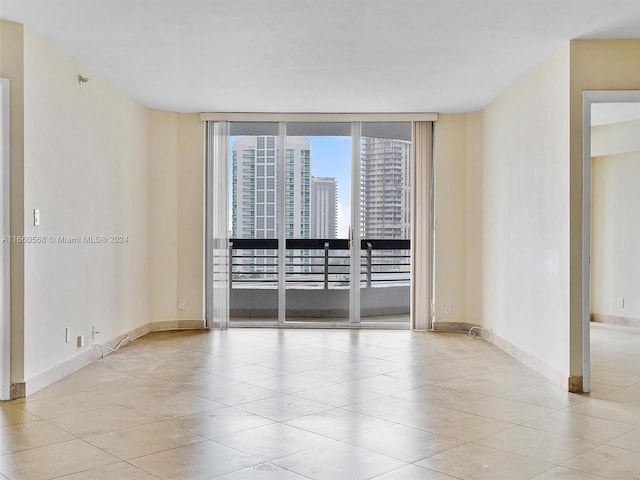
590 97
354 118
5 212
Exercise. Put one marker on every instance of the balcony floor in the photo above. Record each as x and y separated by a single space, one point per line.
393 322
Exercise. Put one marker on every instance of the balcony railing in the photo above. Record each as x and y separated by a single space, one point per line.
318 263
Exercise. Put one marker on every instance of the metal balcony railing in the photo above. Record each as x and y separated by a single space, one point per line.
318 263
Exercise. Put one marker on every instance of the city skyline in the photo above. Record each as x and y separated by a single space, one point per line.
330 156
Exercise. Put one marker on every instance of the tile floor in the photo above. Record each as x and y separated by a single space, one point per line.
268 404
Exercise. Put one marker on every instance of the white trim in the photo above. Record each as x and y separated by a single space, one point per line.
589 97
282 240
93 353
5 294
354 263
530 360
318 117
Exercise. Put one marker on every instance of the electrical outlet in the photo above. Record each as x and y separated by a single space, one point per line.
36 217
448 308
620 302
182 304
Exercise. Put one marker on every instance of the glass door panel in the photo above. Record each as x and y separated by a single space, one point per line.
317 202
385 222
253 237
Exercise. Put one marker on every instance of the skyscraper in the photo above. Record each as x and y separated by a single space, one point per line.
386 188
255 195
324 205
254 187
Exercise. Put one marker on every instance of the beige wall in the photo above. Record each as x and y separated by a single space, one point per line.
523 218
95 162
523 240
86 170
615 209
191 215
176 192
12 67
595 65
450 164
163 215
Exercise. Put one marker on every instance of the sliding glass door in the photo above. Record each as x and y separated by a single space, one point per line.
319 223
317 199
385 222
253 222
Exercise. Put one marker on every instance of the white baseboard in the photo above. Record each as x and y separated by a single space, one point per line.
93 353
615 320
530 360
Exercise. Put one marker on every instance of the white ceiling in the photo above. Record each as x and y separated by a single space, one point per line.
318 55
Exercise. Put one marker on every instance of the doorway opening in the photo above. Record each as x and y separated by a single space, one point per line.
611 169
5 314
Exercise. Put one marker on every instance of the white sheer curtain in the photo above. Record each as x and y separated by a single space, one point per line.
217 242
421 229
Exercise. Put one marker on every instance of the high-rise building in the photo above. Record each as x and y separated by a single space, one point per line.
324 206
255 192
386 188
255 195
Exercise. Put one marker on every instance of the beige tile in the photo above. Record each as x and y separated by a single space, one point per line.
161 403
475 462
609 462
53 460
338 423
582 426
404 443
289 383
105 420
386 385
283 407
273 441
30 435
599 390
339 461
494 383
114 471
236 393
219 422
65 405
15 414
505 410
546 395
463 426
142 440
545 446
630 441
441 397
562 473
414 472
176 380
264 471
198 461
617 412
625 395
57 389
97 376
338 395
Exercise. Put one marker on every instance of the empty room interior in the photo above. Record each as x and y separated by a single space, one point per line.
350 239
